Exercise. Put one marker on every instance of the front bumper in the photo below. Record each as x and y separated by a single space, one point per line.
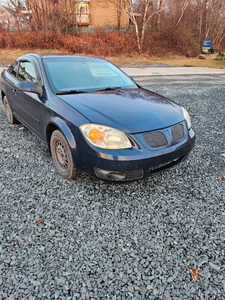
131 164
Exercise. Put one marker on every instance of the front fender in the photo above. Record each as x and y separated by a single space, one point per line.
63 126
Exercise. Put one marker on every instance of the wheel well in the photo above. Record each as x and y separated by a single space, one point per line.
2 94
49 131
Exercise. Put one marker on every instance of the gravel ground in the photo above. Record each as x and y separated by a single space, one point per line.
110 241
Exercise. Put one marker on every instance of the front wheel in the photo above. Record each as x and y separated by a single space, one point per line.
62 156
8 111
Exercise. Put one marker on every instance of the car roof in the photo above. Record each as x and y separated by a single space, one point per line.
58 55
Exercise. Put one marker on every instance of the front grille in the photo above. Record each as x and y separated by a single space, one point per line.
132 175
177 132
155 139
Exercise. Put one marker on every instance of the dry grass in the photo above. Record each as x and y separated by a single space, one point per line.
171 61
8 56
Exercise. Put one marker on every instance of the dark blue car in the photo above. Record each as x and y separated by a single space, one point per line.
94 118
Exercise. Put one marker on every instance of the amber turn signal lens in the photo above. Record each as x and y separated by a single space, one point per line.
96 135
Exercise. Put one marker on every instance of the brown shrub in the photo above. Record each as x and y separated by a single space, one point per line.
171 41
102 44
177 41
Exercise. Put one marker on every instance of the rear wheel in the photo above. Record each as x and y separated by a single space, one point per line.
8 111
62 156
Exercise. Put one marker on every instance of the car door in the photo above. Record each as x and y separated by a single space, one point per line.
10 87
30 103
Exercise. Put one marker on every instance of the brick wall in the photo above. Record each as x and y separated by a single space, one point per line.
104 12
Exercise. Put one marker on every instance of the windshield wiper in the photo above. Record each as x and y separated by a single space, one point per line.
109 89
70 92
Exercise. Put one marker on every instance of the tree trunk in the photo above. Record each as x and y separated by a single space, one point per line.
118 16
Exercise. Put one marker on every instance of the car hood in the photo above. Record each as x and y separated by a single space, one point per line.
130 110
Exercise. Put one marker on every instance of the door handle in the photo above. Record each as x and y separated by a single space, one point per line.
15 92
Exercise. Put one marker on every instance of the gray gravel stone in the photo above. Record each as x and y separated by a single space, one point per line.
214 267
203 260
137 244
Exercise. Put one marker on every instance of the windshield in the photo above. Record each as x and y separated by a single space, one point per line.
84 74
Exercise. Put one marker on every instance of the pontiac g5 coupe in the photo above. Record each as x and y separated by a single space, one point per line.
94 118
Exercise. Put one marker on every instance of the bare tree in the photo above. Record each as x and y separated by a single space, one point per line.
47 15
148 9
160 5
118 15
210 20
184 7
15 17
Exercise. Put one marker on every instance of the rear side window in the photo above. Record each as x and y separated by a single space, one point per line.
13 68
27 72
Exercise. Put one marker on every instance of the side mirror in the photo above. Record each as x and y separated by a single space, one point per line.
29 86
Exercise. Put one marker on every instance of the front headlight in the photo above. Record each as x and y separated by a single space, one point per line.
186 117
105 137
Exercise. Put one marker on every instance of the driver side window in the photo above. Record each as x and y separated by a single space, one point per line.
13 68
27 72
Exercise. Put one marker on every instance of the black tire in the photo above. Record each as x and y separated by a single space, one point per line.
8 111
62 156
